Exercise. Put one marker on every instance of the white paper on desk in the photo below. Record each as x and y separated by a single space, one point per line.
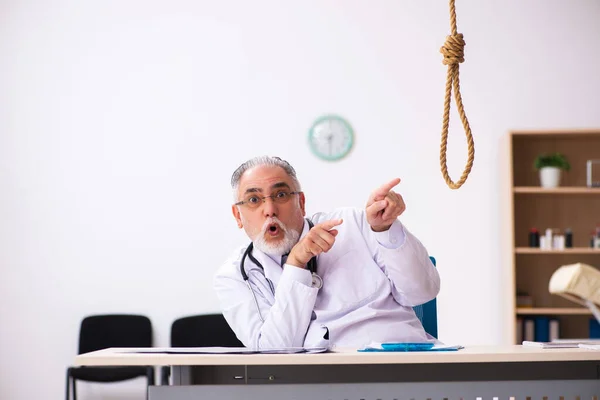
227 350
288 350
577 341
589 346
550 345
193 350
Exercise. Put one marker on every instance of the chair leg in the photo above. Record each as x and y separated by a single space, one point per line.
74 389
150 373
164 375
150 377
68 383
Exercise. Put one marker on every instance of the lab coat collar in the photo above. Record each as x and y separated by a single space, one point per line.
271 264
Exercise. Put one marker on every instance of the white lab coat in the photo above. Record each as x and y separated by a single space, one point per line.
371 280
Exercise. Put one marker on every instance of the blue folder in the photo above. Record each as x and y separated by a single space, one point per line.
404 347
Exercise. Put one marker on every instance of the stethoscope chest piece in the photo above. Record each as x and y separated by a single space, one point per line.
317 281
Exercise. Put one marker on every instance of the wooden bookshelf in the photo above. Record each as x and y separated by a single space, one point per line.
553 311
574 250
562 190
571 205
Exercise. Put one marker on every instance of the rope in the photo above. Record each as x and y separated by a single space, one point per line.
453 51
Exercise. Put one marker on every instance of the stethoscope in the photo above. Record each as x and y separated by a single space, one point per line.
317 281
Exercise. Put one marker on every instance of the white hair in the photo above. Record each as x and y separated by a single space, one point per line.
259 161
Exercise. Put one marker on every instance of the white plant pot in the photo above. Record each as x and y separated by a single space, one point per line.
550 177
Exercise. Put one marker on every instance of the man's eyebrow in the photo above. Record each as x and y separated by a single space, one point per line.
275 186
280 185
253 190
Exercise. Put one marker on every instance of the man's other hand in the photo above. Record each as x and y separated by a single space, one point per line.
384 206
318 240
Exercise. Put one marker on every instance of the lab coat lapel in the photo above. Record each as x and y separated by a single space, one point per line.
272 269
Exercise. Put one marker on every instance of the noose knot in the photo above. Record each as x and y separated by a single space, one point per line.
453 49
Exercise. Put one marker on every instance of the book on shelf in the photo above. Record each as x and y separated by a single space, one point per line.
554 329
539 329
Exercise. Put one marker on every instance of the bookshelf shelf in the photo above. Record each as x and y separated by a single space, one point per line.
559 190
574 250
553 311
572 205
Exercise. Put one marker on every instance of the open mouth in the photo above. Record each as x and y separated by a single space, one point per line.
273 230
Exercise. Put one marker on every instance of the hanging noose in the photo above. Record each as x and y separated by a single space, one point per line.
453 51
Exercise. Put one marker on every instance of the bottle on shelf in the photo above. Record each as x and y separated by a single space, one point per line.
558 241
534 238
568 238
546 241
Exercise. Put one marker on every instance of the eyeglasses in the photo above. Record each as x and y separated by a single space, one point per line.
254 201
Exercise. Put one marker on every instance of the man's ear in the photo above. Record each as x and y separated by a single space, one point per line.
302 200
236 214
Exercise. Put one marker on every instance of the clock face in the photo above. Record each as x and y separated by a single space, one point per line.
331 138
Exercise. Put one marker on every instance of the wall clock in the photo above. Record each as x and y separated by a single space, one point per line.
331 138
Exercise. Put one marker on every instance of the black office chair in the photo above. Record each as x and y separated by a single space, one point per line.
103 331
200 331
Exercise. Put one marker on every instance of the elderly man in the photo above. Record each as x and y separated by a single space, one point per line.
342 278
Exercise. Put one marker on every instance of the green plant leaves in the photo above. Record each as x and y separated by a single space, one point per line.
552 160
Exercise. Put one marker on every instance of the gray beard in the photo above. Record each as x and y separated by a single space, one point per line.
290 238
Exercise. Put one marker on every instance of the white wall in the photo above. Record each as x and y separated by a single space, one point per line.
121 122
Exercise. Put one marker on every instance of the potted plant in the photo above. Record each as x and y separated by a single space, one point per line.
550 166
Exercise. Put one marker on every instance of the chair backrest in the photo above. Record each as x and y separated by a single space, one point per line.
203 331
427 313
114 330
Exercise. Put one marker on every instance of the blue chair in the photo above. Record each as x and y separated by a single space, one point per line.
427 314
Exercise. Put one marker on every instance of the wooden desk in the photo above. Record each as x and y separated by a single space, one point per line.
487 372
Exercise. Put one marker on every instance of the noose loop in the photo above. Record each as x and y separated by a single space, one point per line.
453 52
